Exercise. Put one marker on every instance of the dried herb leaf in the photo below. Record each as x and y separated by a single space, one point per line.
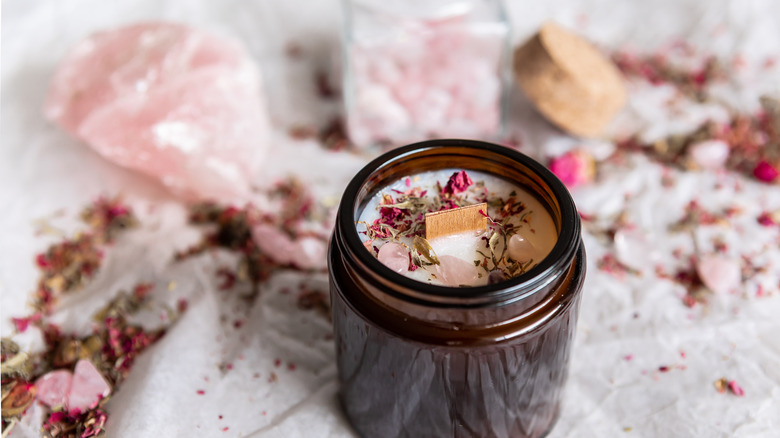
425 250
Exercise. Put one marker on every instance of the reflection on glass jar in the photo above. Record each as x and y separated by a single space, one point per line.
419 360
420 69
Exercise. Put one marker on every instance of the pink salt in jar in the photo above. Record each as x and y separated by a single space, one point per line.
423 69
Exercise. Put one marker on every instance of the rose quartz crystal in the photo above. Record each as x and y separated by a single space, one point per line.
719 273
520 249
303 252
53 388
81 390
417 77
88 386
395 256
710 154
181 105
452 271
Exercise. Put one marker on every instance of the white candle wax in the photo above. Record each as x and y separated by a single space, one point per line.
520 231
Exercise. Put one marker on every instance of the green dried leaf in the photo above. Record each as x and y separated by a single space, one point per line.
426 250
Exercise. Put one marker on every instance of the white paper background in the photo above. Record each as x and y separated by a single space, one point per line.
43 171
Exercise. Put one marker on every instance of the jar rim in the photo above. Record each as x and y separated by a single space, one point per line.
560 257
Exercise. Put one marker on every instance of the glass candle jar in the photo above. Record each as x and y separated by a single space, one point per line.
416 69
421 360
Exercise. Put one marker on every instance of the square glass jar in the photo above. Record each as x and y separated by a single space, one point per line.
419 69
417 359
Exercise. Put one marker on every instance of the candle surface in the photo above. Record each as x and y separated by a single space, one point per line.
520 232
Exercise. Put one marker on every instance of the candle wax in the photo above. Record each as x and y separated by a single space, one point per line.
520 231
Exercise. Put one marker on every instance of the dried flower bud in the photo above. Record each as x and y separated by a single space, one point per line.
574 167
764 171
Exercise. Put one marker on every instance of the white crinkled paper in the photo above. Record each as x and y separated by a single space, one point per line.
43 171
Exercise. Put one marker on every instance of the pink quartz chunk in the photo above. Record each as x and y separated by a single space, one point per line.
304 252
179 104
395 256
53 388
719 273
454 272
636 249
520 249
88 387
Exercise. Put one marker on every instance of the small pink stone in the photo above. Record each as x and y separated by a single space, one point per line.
520 249
455 272
636 249
53 388
274 243
310 253
88 388
395 256
719 273
574 167
710 155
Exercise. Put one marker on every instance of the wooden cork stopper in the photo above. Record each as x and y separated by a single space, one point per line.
456 220
571 83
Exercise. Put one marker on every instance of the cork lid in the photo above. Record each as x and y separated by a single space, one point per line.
571 83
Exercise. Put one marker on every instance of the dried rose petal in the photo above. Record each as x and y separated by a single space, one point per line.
736 389
458 182
574 167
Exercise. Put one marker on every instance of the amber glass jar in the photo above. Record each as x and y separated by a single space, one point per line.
419 360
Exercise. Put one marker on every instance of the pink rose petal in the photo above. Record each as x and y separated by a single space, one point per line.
53 388
88 387
395 256
764 171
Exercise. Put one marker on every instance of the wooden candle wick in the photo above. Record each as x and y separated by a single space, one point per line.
456 220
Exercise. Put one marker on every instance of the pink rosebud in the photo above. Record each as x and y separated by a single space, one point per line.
574 167
765 172
736 389
766 219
